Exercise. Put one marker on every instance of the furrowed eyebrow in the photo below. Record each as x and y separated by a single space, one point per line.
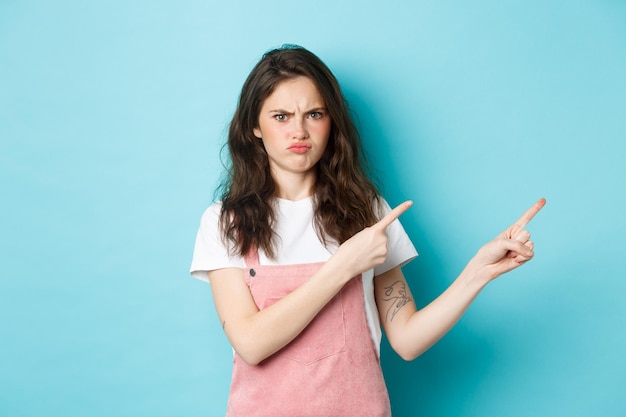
283 111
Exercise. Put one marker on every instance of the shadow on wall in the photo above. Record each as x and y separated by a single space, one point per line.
452 365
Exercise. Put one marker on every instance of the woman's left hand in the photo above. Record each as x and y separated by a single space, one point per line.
509 249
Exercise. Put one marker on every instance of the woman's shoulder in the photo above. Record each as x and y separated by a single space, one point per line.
381 206
212 212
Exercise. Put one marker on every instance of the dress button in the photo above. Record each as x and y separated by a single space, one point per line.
252 272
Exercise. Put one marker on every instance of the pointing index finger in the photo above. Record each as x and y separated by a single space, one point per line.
521 223
394 214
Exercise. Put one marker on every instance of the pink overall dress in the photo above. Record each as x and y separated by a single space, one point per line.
330 370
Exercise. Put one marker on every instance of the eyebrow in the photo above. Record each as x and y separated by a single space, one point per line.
283 111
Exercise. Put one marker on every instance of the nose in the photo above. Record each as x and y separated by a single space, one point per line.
300 131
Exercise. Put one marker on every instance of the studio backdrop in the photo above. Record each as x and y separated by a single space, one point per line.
112 120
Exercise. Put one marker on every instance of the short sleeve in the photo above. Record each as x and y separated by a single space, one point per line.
209 252
400 248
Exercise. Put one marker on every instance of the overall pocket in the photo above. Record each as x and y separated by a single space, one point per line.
324 336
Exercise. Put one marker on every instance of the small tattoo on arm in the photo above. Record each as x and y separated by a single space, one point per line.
396 293
223 324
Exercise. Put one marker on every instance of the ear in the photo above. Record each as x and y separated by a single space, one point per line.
257 132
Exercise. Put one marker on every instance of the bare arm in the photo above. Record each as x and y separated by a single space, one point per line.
411 332
256 334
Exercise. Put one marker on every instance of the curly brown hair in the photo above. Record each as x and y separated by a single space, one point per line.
345 198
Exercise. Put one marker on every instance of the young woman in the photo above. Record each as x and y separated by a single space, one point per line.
304 255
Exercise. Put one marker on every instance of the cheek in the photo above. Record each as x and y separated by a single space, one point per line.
323 130
326 139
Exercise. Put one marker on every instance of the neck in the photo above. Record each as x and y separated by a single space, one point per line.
294 187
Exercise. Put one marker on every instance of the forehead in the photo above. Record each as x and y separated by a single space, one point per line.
298 91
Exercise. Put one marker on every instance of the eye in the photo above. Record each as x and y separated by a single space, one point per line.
280 117
316 115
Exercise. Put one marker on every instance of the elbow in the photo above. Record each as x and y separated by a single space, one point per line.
251 360
250 353
406 355
406 352
409 356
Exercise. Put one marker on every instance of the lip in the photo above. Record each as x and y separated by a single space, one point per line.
299 147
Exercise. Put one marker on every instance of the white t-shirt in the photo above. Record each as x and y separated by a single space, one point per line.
298 243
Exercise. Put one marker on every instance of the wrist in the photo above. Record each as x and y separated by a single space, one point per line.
337 271
476 275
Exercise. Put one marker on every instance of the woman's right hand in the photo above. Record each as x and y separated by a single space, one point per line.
368 248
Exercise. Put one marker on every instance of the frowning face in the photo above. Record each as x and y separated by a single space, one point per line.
294 126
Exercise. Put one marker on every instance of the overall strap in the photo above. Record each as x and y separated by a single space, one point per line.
252 257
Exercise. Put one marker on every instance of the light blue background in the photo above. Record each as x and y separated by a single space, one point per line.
112 115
